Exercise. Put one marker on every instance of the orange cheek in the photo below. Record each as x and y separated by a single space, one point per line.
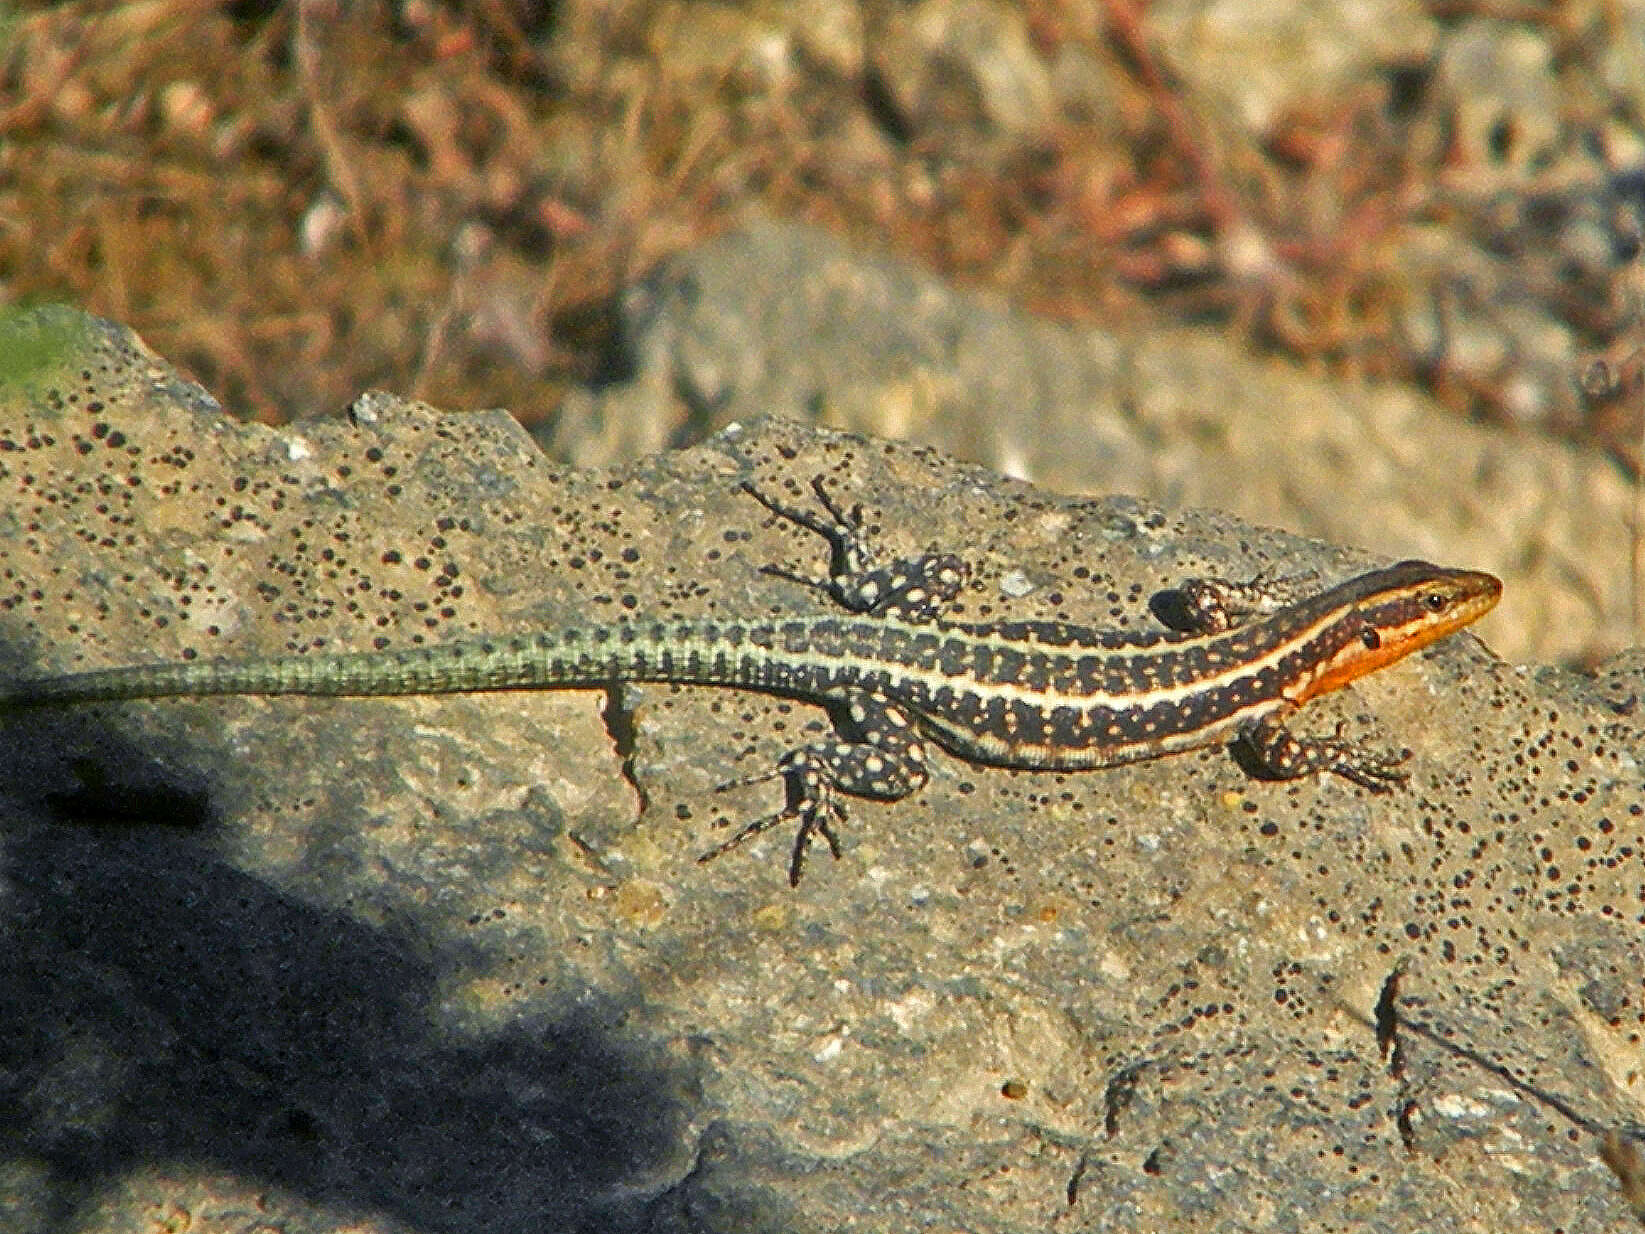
1352 663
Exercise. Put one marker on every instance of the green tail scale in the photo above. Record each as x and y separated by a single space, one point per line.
706 653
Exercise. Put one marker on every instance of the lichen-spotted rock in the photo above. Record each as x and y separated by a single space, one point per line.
445 963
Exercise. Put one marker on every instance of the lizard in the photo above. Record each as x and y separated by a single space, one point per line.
1237 662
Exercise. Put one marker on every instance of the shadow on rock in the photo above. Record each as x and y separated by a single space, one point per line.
158 1005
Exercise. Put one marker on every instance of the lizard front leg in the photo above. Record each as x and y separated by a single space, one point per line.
910 588
1282 755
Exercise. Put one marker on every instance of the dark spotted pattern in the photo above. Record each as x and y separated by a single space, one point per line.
1033 694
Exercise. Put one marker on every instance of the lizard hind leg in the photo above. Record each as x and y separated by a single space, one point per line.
809 802
877 755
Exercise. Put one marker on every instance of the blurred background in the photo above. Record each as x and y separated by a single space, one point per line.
1370 271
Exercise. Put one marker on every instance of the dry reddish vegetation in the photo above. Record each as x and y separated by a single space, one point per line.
301 201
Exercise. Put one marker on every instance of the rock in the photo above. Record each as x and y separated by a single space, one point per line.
441 964
781 319
965 66
1497 83
1245 62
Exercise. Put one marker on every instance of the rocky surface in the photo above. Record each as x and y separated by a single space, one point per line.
446 964
780 319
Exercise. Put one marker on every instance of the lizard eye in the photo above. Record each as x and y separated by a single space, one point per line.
1435 601
1370 638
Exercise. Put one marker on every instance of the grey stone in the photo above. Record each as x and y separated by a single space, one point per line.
450 964
782 319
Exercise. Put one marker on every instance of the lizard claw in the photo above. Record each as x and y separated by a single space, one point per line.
810 803
748 781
